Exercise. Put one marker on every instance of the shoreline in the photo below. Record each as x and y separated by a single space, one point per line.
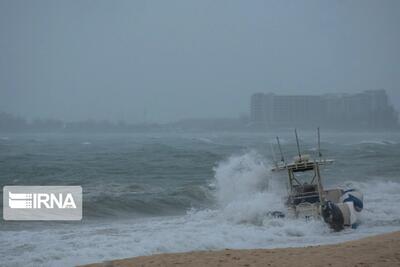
379 250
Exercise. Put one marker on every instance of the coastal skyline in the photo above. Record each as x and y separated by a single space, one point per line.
368 109
371 109
165 61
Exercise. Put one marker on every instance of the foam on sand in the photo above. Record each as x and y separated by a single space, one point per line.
380 250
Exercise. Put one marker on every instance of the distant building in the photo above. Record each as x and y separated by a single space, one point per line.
369 109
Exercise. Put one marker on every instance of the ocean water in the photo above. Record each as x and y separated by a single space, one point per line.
160 193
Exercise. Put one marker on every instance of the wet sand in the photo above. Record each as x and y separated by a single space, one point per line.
381 250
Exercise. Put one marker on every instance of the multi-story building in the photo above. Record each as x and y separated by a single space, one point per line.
366 109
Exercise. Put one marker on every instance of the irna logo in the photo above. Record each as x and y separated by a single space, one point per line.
42 203
41 200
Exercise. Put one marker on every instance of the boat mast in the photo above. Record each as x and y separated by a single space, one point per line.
280 150
297 141
273 155
319 144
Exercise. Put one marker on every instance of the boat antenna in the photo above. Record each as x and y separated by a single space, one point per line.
297 141
319 144
273 155
280 150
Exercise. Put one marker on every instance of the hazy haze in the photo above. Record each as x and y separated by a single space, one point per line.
174 59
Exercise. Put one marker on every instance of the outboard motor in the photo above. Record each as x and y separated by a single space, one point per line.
344 213
333 216
354 196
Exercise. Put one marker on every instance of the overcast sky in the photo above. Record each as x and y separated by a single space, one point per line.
176 59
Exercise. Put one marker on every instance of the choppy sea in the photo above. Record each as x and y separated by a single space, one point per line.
159 193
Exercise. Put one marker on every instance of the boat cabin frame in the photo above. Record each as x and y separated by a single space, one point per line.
310 191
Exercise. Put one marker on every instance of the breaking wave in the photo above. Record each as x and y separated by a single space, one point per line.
246 190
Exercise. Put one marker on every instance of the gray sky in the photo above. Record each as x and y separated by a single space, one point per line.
175 59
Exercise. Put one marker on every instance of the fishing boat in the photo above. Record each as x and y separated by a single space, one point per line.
307 198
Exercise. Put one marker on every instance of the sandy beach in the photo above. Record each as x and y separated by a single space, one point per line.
381 250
